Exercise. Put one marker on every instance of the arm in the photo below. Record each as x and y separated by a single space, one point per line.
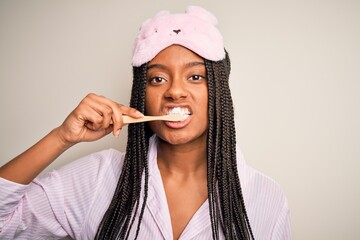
25 167
92 119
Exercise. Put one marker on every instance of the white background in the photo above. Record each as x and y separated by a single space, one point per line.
295 83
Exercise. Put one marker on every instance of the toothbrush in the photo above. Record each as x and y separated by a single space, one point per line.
171 117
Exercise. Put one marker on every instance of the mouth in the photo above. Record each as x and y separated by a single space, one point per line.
179 110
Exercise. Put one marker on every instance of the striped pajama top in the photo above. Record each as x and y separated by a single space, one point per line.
70 202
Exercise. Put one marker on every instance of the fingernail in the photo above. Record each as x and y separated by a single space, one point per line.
139 114
117 133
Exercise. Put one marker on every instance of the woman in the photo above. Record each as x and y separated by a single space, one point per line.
177 180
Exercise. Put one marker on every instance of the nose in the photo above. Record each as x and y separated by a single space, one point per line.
177 90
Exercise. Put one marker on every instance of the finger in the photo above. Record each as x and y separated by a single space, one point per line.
94 124
132 112
113 115
110 111
92 119
95 135
106 112
117 122
118 117
103 106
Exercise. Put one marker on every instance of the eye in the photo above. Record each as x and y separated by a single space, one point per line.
156 80
196 78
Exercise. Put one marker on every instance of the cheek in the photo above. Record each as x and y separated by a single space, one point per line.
151 102
154 126
205 108
204 101
147 105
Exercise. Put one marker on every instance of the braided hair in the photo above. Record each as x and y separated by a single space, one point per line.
226 203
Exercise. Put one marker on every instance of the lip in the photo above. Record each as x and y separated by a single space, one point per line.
178 125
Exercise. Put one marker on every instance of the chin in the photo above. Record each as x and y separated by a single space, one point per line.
182 138
175 140
178 141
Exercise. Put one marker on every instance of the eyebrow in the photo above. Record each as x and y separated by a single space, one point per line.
193 64
188 65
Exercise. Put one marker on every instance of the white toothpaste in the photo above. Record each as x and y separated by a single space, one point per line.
178 110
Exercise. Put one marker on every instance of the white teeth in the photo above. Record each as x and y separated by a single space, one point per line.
178 110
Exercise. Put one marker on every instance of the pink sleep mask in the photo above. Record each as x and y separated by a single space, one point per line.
195 29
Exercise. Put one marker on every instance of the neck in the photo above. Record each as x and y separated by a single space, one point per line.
185 159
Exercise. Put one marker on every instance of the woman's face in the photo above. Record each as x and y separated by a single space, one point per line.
176 82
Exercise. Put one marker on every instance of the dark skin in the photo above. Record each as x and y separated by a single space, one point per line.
180 82
185 184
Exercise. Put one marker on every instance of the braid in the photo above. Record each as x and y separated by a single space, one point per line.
226 203
120 216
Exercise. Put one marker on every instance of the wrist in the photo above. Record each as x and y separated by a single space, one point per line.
61 140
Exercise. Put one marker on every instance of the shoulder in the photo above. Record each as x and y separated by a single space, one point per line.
97 162
256 184
83 186
265 200
85 173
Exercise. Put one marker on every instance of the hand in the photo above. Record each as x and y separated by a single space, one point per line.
95 117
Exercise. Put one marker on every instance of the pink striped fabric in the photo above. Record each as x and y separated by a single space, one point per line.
70 202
